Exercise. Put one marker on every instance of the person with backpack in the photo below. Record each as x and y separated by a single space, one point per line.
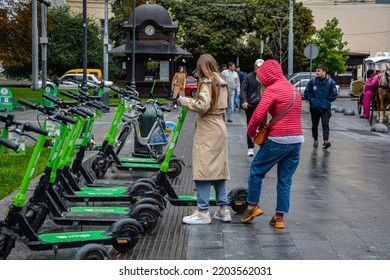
321 91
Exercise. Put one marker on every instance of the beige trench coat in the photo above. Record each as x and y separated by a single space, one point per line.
210 146
179 84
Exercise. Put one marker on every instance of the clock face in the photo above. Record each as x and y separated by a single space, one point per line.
149 30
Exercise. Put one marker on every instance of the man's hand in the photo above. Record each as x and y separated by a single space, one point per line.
245 105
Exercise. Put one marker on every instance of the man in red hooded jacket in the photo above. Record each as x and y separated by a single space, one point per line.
282 148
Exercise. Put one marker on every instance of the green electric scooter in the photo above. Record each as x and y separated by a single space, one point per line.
46 200
123 235
65 149
109 155
237 197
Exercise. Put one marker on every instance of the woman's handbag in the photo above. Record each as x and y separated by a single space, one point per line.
263 130
262 134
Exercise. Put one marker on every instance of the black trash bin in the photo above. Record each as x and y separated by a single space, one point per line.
146 122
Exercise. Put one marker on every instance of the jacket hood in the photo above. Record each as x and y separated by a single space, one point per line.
269 72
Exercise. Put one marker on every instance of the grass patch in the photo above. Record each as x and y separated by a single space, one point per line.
12 169
35 96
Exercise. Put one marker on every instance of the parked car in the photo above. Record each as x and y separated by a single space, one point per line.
97 72
191 86
295 77
73 80
301 85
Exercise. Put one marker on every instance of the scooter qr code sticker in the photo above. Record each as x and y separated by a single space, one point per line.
53 128
18 140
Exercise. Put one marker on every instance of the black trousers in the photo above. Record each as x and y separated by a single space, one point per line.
249 112
324 116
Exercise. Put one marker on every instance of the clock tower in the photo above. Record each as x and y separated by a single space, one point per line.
155 51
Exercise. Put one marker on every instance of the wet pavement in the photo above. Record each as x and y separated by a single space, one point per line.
340 200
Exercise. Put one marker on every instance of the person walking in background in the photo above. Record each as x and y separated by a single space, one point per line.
369 91
241 77
321 91
178 84
233 81
282 148
250 97
210 145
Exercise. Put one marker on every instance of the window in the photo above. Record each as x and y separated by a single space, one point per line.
156 70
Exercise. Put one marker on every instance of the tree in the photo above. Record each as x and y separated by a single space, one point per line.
272 23
332 48
15 43
122 10
65 49
230 28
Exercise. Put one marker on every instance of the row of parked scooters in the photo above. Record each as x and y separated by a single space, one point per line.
68 193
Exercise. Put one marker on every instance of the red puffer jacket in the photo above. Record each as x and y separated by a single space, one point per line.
278 95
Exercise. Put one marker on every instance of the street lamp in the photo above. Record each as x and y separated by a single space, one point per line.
35 57
44 40
291 39
132 85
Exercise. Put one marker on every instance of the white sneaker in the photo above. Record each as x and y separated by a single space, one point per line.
175 106
198 218
223 215
250 153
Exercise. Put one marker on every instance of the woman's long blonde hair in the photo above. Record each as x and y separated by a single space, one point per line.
207 68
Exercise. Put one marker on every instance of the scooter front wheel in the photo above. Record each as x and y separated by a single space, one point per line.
91 251
102 167
36 216
6 245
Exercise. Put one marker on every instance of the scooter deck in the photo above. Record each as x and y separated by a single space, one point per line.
145 166
139 160
98 209
89 196
86 236
88 218
112 190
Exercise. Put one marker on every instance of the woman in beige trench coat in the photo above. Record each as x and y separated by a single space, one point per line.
179 81
210 147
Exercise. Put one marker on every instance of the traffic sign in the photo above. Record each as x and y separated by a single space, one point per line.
311 51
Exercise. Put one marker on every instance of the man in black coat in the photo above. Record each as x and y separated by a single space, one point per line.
250 97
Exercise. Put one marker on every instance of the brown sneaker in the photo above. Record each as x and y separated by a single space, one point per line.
277 222
251 213
326 145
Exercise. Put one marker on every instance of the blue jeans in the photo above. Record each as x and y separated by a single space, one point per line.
203 193
232 100
286 157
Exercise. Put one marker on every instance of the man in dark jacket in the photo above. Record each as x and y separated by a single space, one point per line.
321 91
250 97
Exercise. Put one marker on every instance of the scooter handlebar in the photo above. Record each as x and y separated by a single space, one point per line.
29 127
8 144
66 119
86 112
28 104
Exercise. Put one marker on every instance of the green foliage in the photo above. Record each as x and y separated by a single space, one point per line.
332 48
36 96
65 49
12 169
230 28
15 43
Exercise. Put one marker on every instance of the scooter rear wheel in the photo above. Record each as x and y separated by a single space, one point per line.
148 220
237 198
127 238
175 169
